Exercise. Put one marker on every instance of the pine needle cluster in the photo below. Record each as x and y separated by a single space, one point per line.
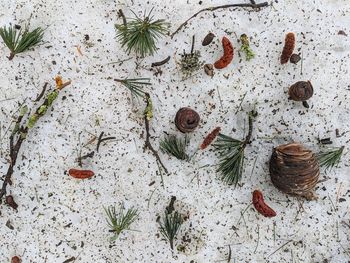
174 146
330 158
120 221
136 86
140 34
18 40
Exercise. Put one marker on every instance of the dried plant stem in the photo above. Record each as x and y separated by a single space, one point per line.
19 134
252 5
92 153
148 144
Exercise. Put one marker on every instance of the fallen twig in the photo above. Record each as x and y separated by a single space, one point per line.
41 93
92 153
20 132
252 5
160 63
148 144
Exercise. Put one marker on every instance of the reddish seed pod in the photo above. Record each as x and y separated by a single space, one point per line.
81 174
16 259
210 138
289 44
11 202
226 59
260 206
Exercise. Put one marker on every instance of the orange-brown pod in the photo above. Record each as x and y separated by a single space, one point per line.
289 44
81 174
260 206
228 54
210 138
16 259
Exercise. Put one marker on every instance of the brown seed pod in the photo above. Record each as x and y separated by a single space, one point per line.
301 91
186 119
208 39
289 44
209 69
294 170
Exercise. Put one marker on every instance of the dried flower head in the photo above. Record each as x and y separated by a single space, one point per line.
190 63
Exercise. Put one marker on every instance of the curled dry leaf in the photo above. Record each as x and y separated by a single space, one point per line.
81 174
186 120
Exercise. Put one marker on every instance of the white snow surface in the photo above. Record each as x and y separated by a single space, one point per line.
60 217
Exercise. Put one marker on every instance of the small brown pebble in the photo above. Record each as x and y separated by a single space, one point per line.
16 259
208 39
295 58
209 69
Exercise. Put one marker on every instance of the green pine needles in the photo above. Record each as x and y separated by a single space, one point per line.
141 34
231 155
120 221
19 41
135 85
174 146
331 158
170 225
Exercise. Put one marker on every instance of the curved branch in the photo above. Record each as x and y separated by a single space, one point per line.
252 5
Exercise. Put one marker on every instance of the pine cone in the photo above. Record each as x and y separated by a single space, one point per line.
294 170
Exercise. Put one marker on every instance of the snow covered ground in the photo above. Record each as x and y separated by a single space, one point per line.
60 217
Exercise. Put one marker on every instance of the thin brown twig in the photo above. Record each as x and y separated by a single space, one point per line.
121 14
20 132
148 144
250 129
160 63
92 153
280 248
42 93
252 5
193 41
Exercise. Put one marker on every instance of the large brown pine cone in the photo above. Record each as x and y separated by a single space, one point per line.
294 170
